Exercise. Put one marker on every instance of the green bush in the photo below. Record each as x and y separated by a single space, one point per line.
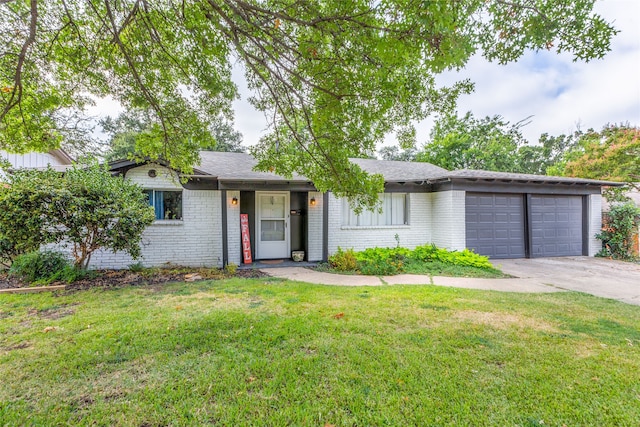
387 261
343 260
621 223
39 266
231 268
465 257
382 261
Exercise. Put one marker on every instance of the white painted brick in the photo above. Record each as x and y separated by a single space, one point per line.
448 219
595 223
314 226
417 233
194 241
234 237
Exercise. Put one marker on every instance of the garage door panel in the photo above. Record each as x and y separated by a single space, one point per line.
556 225
495 224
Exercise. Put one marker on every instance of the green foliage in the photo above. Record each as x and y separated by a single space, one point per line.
389 261
86 209
612 154
231 268
343 260
41 266
427 253
465 142
333 77
620 225
382 261
136 267
128 129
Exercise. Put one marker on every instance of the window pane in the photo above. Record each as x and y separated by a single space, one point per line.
272 206
172 204
272 230
393 212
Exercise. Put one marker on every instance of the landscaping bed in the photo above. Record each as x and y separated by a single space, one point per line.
150 276
426 259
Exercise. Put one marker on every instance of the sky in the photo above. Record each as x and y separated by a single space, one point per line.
559 94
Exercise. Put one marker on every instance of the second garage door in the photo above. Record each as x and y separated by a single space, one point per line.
556 226
495 224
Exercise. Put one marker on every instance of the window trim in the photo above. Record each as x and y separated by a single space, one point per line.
151 200
348 216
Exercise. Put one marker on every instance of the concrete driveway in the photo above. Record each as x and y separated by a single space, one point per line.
596 276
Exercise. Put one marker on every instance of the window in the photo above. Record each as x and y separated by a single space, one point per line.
394 212
167 204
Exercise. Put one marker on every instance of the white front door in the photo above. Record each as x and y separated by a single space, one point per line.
272 225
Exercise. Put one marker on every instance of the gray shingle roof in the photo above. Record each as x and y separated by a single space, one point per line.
239 167
395 171
482 174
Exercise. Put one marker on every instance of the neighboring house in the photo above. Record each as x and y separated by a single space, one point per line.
502 215
57 159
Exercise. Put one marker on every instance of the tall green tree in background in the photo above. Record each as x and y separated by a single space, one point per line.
490 143
129 129
611 154
334 77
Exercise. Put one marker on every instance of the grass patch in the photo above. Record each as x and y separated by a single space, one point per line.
258 352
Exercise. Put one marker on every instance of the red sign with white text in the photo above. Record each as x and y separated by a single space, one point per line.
246 240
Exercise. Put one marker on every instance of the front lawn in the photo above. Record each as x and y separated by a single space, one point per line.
269 352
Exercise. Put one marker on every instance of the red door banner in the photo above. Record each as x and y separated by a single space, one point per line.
246 241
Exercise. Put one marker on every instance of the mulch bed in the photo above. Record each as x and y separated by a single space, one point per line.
120 278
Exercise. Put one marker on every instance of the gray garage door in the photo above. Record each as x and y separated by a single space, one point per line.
556 226
495 224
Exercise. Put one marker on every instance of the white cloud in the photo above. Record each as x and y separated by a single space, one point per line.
557 92
561 94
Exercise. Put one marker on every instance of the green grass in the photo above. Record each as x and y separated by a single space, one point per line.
265 352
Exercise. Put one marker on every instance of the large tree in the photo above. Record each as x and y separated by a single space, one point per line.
489 143
128 131
334 77
610 154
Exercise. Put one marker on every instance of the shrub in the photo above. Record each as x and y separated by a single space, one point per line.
387 261
40 266
382 261
85 209
343 260
621 224
231 268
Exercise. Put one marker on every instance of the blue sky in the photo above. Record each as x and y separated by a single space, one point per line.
559 94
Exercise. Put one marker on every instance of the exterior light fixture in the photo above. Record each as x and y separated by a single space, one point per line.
312 202
234 201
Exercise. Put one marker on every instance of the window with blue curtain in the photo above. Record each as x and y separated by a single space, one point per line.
166 204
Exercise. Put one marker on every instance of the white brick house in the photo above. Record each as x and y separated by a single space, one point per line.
501 215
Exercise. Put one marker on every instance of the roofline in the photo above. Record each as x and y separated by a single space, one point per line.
543 180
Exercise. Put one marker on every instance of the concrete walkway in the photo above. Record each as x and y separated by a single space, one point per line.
311 276
596 276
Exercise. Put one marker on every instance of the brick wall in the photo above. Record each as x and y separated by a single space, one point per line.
314 226
418 232
595 223
234 237
448 219
196 240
